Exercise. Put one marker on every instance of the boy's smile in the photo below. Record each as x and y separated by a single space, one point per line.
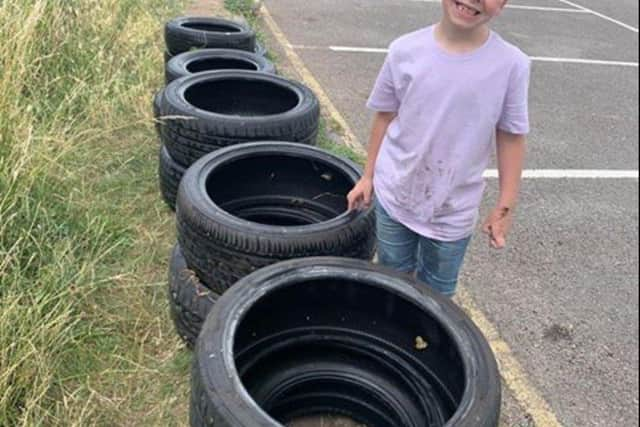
470 14
466 10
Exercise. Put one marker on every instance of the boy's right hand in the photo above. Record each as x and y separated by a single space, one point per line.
361 194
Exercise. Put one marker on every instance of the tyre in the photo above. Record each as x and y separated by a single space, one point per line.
215 59
250 205
189 300
170 173
215 109
197 32
186 150
338 336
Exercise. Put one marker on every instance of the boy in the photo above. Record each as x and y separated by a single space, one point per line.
443 94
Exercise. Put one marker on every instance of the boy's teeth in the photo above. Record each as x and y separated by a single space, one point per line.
466 10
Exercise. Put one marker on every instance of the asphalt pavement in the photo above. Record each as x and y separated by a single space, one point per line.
564 295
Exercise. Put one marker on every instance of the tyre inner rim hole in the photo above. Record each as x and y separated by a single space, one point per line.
211 28
280 190
345 348
241 97
208 64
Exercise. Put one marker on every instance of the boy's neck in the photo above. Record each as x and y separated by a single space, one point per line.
455 40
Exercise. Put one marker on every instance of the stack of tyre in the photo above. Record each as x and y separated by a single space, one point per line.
220 92
238 165
270 275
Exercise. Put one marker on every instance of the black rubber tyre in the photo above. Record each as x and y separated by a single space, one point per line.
215 59
186 150
189 301
250 205
341 336
214 109
170 173
197 32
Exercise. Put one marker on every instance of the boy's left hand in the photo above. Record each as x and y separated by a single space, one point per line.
497 226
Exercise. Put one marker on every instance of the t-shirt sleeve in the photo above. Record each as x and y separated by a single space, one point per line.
515 111
383 97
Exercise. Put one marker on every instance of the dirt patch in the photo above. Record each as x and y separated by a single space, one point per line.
558 333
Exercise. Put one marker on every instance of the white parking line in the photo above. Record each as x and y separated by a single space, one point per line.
600 15
584 61
357 49
545 9
354 49
572 173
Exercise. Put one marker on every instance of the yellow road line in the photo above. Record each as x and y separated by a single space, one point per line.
512 372
349 137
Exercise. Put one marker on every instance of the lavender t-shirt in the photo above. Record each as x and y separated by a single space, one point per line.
428 173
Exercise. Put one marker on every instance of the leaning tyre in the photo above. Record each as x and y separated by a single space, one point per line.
170 173
197 32
215 109
248 206
189 301
215 59
337 336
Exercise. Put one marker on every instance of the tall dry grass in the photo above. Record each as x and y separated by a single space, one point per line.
84 339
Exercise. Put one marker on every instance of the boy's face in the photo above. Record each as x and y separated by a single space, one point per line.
471 14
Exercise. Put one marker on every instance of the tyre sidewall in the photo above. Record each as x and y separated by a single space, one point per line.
170 174
179 38
189 300
196 207
297 121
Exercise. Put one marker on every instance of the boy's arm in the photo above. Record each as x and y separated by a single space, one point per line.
361 194
511 150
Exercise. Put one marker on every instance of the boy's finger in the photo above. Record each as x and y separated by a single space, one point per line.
350 202
498 240
367 200
355 201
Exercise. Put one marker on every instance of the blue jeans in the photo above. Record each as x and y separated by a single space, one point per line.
434 262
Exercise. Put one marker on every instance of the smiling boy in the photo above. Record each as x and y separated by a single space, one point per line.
444 95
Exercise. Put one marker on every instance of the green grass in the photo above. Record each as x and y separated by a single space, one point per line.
329 139
85 337
242 8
